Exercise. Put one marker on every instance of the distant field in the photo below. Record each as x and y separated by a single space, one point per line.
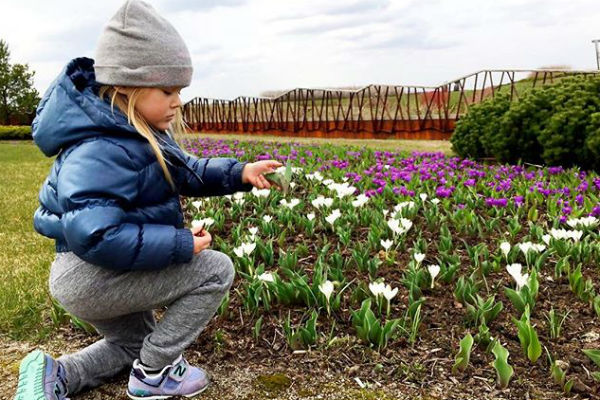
390 145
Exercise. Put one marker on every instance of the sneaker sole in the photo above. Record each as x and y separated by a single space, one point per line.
162 397
31 377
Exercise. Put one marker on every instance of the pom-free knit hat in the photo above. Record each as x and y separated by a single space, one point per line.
142 49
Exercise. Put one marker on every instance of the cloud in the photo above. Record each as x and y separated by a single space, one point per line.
199 5
68 43
306 9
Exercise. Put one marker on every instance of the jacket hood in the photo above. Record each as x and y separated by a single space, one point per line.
71 110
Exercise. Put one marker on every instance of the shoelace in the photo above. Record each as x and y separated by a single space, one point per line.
60 387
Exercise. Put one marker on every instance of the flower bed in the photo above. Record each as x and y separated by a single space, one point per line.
492 267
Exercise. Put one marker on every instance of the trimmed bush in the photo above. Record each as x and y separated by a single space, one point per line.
15 133
473 129
553 125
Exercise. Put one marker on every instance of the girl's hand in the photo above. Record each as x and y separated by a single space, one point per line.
202 239
253 173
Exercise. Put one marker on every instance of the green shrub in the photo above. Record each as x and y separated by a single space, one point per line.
480 122
15 132
555 125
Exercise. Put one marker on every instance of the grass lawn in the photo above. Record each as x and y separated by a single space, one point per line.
25 256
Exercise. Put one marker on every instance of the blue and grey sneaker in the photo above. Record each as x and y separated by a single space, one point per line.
41 378
177 379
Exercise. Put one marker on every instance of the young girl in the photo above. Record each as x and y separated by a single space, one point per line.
111 202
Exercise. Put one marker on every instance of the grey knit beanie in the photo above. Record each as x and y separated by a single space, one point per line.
140 48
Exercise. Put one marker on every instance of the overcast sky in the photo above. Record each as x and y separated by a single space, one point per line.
245 47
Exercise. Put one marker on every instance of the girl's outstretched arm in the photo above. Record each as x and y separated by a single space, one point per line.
218 176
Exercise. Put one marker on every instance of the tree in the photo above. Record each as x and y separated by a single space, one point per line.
18 97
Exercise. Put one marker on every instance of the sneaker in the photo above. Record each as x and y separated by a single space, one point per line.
41 378
177 379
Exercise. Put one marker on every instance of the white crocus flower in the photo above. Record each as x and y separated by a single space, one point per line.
253 230
405 204
583 221
316 176
400 226
322 201
239 201
434 270
248 248
575 235
208 221
546 239
360 201
387 244
386 212
423 197
526 247
203 222
435 201
244 249
419 257
291 204
333 216
394 225
260 192
267 218
406 224
505 247
238 195
562 234
239 251
377 288
389 293
266 277
281 170
197 223
327 182
342 189
522 281
514 271
326 288
310 216
197 204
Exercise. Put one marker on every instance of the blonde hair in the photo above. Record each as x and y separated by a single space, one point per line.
127 106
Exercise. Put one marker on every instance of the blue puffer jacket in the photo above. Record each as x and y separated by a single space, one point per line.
106 197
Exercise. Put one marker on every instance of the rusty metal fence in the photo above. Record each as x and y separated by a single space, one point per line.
373 111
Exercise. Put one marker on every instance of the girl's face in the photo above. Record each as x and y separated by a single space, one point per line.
158 105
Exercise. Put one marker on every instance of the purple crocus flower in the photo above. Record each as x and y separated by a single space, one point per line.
555 170
518 200
491 202
444 191
470 182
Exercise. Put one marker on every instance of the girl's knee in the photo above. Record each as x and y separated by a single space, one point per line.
222 264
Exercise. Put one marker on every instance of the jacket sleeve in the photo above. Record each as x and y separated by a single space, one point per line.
95 185
219 175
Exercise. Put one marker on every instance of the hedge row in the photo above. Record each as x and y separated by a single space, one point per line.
553 125
15 133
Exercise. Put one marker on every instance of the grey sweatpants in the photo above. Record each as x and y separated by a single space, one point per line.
119 305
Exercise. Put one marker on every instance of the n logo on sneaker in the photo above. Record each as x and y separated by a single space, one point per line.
180 370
